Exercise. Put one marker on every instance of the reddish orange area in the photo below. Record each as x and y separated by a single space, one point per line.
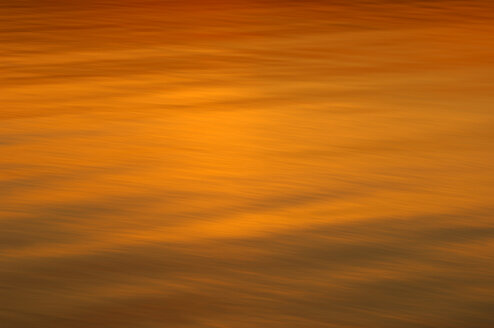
246 164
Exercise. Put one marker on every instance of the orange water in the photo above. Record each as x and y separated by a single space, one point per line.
240 164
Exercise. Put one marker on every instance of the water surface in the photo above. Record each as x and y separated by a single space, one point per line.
273 164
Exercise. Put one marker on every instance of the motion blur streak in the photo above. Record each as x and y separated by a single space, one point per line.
246 164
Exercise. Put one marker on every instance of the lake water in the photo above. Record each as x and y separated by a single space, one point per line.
244 164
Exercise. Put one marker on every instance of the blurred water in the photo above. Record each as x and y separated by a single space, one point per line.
246 164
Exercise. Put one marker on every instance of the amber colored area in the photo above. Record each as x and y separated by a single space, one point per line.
246 164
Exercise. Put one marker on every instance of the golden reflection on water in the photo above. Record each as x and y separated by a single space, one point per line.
246 164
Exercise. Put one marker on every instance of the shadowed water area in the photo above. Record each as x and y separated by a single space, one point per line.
246 164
